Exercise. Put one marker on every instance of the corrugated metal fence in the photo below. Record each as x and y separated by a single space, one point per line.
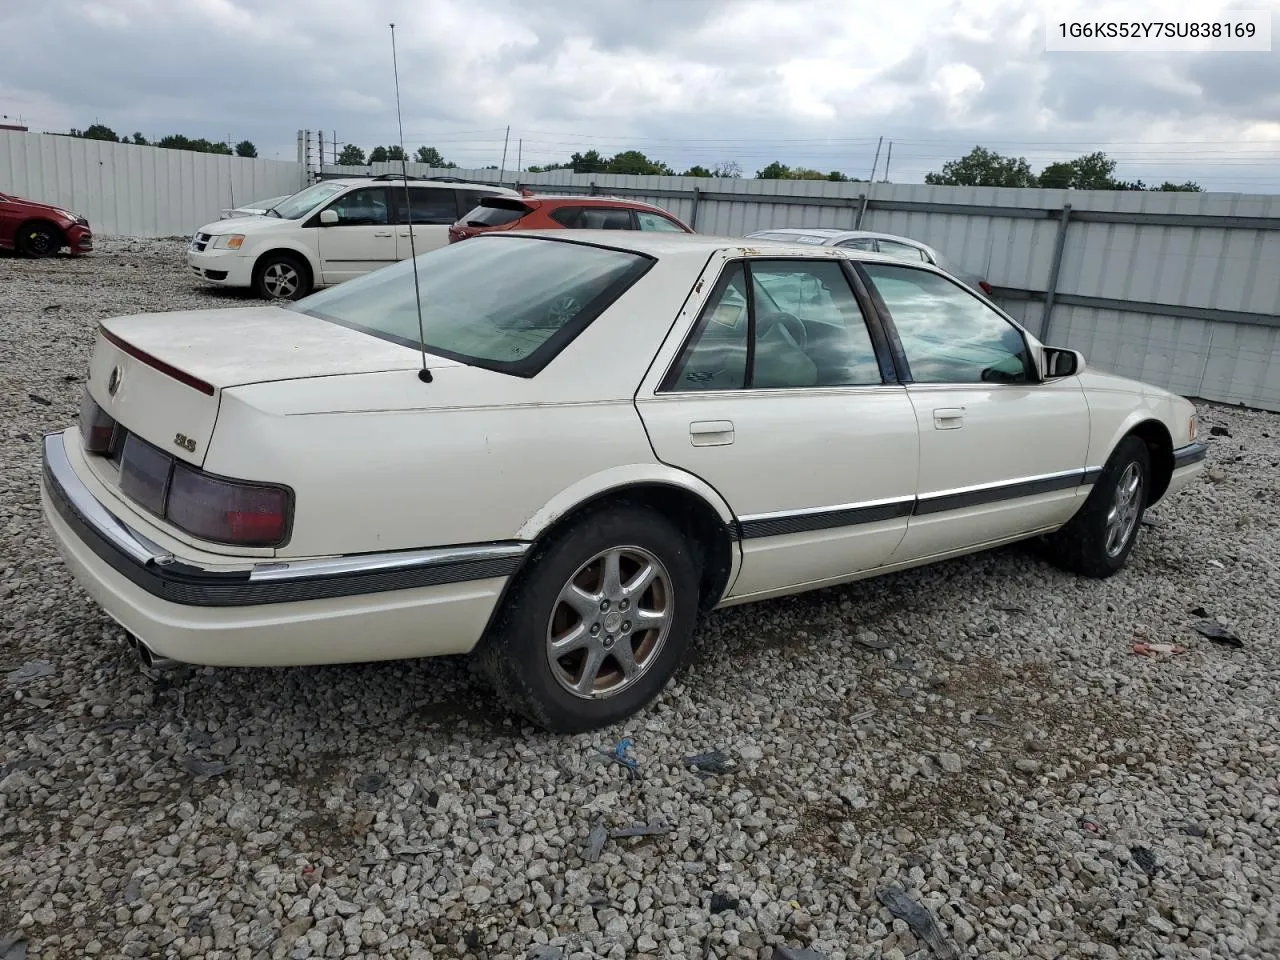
127 190
1178 289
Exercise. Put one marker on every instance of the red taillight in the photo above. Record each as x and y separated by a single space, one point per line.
986 287
96 426
227 511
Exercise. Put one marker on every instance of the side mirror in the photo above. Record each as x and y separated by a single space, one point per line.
328 217
1060 362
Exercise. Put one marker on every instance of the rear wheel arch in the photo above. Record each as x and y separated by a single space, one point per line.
704 528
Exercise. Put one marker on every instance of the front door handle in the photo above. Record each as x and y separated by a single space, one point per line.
711 433
948 418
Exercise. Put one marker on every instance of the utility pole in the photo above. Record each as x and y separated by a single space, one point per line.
519 158
876 162
320 165
888 158
334 141
503 169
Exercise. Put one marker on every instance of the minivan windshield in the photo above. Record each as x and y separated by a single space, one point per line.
505 303
304 201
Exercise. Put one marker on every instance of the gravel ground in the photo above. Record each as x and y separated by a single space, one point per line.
978 736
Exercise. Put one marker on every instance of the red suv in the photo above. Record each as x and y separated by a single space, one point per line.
40 229
534 212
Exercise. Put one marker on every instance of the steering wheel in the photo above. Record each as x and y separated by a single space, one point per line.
793 324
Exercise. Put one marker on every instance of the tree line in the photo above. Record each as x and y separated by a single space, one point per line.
981 167
174 141
635 162
632 162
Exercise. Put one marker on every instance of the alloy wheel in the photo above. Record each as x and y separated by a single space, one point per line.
609 622
281 280
1126 505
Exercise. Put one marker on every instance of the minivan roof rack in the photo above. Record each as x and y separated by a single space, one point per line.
397 176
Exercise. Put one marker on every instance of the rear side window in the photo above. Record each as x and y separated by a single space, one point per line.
493 215
427 205
593 218
568 217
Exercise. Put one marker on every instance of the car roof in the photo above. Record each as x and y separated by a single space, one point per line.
805 231
590 200
664 244
832 235
414 182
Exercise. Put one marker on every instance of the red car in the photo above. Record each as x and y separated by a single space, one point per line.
41 229
534 212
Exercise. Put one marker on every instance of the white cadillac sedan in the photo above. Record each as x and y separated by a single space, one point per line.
607 435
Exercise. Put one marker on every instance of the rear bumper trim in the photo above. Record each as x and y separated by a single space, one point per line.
161 574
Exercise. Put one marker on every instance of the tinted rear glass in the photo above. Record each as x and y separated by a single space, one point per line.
486 216
503 302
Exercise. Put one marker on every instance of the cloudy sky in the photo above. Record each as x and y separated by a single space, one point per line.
806 82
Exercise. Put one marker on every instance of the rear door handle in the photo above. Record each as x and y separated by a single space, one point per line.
381 234
948 418
711 433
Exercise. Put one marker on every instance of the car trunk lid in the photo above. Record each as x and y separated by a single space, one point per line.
160 376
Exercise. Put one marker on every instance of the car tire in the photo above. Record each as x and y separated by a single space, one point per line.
1097 541
40 240
281 276
549 636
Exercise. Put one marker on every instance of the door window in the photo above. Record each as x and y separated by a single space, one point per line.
427 205
858 243
948 334
656 221
805 329
365 207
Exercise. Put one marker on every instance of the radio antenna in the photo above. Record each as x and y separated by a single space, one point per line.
423 374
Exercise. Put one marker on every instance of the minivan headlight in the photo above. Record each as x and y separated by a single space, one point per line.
228 241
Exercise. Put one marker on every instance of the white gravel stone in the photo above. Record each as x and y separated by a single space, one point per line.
1007 794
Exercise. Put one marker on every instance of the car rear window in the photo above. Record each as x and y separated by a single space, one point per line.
495 212
499 301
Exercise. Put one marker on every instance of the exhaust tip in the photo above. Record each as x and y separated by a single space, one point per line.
148 657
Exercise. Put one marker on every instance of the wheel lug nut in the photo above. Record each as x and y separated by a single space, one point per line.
604 604
625 605
595 629
626 626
